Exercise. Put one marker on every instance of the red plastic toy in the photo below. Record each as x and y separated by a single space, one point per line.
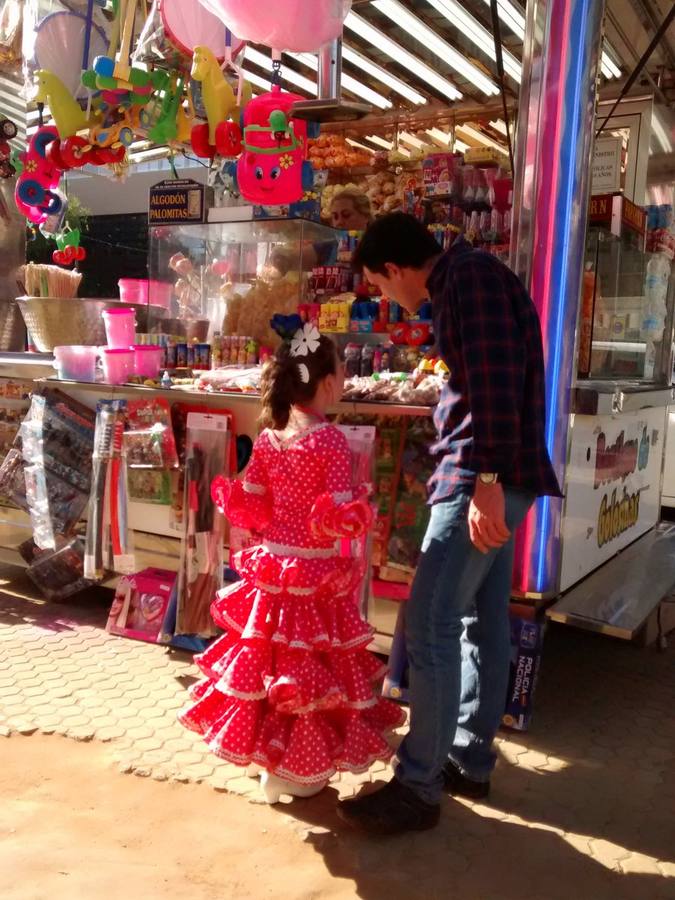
36 193
273 168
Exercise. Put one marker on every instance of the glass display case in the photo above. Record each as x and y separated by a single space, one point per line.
231 277
626 317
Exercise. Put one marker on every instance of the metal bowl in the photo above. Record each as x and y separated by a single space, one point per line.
54 321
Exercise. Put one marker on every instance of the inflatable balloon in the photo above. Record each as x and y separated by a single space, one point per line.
285 24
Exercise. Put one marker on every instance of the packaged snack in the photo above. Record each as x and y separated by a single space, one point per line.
202 356
367 357
149 440
352 360
150 486
181 355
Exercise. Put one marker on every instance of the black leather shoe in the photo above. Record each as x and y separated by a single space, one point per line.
392 809
458 785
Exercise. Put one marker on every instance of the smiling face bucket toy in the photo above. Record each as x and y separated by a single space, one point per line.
272 169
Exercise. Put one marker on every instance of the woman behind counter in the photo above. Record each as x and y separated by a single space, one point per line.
349 211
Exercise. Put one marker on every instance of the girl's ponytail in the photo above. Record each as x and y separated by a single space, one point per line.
278 390
288 379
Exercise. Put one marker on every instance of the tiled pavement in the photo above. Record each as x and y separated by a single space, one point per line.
597 769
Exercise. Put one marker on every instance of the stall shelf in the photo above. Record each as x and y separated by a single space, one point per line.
156 541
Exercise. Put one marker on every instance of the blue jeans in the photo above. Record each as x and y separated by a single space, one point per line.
458 645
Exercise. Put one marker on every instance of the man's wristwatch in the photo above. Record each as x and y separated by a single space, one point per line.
488 478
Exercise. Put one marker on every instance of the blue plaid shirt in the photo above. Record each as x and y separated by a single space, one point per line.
490 417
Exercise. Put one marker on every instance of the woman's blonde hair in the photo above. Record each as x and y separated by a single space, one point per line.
359 199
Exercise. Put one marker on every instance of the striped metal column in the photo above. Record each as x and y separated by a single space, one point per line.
554 144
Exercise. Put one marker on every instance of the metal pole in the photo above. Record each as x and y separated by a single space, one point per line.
553 159
330 70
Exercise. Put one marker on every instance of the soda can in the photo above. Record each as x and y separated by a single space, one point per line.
191 356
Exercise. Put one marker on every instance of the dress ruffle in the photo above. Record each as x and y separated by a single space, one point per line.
301 607
305 749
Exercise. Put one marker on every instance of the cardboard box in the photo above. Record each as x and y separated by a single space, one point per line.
527 641
140 605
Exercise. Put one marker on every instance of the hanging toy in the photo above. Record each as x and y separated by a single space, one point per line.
36 193
8 130
220 102
272 168
68 116
68 248
7 170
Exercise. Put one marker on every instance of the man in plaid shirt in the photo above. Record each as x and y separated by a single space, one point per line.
492 464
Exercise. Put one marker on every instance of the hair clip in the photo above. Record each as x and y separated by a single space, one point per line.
306 340
304 373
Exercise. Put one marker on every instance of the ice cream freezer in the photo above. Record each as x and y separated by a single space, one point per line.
616 561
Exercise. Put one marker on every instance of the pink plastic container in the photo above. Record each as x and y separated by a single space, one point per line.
120 327
133 290
75 363
118 364
140 290
147 360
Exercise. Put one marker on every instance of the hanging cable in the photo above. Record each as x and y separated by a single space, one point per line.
496 28
642 62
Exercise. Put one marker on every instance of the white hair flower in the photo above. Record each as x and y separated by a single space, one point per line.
305 341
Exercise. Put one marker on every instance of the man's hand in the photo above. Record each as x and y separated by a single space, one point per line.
487 525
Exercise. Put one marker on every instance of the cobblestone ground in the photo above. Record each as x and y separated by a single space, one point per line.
596 771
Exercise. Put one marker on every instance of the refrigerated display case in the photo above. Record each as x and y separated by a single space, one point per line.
617 430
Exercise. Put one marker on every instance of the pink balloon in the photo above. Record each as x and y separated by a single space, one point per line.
285 24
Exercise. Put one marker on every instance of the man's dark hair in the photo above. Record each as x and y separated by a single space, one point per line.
396 238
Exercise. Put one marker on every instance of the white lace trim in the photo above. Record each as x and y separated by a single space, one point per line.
269 588
301 552
224 689
295 591
251 488
285 443
279 638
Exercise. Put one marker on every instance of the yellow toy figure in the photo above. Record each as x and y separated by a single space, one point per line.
68 116
219 98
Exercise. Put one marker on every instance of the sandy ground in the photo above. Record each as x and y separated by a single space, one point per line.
71 827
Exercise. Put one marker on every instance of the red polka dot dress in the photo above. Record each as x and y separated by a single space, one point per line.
290 685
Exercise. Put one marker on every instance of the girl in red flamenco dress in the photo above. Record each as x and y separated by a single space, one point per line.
290 687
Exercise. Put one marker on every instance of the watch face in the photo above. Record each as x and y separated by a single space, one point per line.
488 479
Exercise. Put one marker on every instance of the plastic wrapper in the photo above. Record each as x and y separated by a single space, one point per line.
58 573
150 486
395 388
179 417
173 27
361 440
47 473
149 442
231 378
411 512
10 31
108 541
201 563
